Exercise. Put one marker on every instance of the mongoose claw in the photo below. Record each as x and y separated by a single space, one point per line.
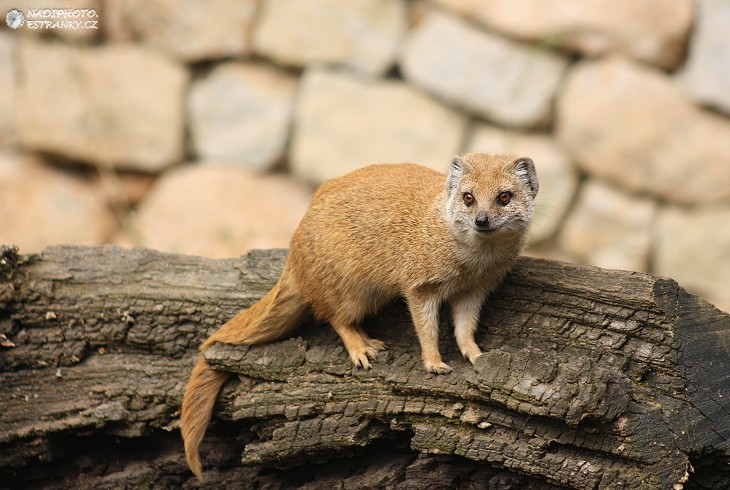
368 353
362 362
377 345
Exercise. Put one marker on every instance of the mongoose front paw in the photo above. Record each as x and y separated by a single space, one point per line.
438 368
472 354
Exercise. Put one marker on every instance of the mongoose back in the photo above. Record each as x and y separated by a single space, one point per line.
376 234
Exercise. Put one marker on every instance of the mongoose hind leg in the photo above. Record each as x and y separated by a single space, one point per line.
361 348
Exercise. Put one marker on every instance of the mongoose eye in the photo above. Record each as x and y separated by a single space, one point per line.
469 199
504 198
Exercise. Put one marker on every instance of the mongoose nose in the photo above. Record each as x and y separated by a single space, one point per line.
482 221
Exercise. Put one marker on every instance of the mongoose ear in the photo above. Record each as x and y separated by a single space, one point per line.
456 171
525 172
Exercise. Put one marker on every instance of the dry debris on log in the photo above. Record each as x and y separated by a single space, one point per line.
590 379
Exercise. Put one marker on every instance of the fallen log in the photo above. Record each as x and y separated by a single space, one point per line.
590 379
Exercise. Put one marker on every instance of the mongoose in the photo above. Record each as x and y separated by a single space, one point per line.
376 234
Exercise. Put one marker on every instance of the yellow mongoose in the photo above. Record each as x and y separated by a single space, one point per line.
376 234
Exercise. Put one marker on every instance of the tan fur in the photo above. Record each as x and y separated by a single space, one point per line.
376 234
280 311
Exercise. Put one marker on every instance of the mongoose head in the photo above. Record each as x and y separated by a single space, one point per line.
490 196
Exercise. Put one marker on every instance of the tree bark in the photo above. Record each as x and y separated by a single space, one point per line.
590 379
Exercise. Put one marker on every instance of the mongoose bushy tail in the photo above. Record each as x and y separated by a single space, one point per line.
275 315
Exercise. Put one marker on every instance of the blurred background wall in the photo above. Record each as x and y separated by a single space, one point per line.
203 127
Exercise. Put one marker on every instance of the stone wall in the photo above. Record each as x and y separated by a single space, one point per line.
203 127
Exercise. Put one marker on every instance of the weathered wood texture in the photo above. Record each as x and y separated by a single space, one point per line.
590 379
